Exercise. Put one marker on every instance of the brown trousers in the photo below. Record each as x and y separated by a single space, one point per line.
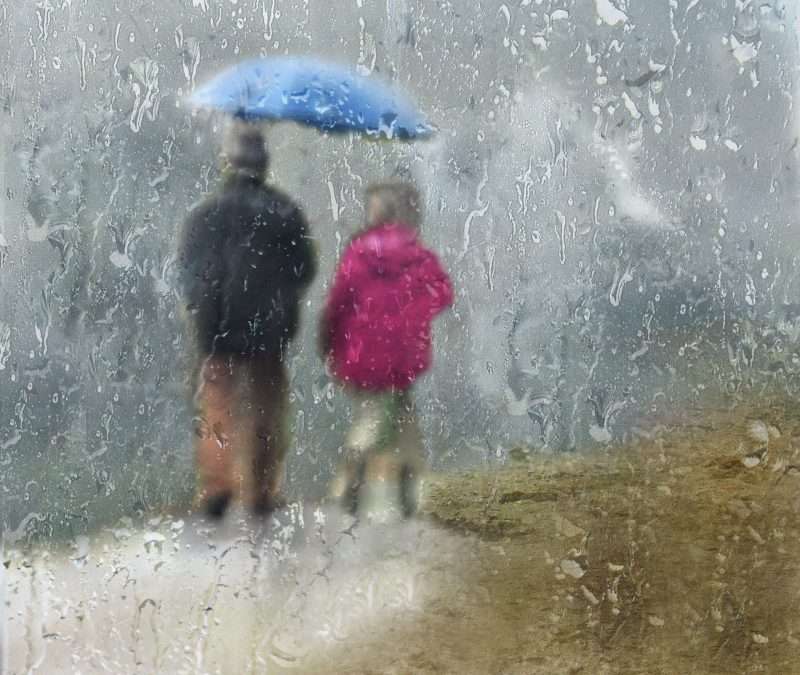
241 437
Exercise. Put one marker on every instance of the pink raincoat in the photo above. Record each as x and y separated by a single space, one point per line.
377 322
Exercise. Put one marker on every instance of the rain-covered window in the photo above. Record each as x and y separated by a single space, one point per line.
405 336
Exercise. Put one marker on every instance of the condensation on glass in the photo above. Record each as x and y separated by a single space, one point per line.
613 189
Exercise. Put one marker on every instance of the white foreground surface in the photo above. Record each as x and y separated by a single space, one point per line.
185 596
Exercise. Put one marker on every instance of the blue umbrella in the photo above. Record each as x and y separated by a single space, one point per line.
322 95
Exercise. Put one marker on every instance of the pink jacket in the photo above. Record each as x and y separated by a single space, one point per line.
377 322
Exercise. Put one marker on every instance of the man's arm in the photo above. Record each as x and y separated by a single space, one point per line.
197 250
297 247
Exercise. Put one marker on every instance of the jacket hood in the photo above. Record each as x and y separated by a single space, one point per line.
388 249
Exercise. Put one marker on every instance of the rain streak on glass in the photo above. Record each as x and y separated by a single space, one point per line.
537 416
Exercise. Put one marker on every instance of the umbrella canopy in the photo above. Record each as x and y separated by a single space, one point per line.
322 95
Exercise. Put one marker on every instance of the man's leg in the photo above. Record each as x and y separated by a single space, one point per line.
216 398
268 442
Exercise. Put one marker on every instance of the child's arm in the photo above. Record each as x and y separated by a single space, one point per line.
437 282
339 299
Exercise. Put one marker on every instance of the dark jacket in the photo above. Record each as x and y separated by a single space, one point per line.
245 260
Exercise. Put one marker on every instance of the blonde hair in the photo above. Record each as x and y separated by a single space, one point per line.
395 202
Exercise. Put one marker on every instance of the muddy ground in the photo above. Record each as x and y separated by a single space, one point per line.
680 554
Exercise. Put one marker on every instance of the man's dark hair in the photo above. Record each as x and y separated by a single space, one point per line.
244 149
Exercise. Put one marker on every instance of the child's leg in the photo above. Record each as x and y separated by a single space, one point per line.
267 443
362 440
216 398
355 472
410 450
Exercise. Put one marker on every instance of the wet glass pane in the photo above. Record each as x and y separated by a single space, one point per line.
430 337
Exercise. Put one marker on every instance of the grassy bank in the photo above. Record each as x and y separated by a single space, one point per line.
678 555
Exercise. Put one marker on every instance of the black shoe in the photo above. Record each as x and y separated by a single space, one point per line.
217 505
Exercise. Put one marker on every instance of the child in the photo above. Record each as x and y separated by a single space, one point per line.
245 262
376 334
